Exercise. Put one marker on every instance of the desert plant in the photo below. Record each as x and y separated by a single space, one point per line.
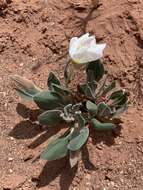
93 104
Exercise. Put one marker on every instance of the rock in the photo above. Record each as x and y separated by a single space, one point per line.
13 181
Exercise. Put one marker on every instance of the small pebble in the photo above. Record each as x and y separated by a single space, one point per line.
122 180
12 138
21 64
10 171
121 172
10 159
112 183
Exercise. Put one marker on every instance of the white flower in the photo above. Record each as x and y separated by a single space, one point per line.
84 49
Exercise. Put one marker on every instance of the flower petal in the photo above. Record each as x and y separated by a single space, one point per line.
73 45
83 57
87 55
93 42
83 37
86 41
84 49
97 50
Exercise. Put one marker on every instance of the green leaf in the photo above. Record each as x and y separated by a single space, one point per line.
48 100
60 90
121 100
23 94
52 79
124 100
67 109
67 114
96 70
109 87
92 108
104 110
116 94
80 119
86 90
51 117
56 149
91 80
102 126
79 140
76 106
74 158
120 110
24 87
68 73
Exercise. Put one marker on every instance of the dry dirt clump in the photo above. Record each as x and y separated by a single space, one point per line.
4 3
34 38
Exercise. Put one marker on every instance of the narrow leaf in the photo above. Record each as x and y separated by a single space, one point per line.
116 94
23 94
52 79
120 110
120 101
60 90
25 88
74 158
91 80
102 126
68 73
109 87
86 90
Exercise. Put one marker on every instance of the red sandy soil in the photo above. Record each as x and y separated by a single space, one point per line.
34 38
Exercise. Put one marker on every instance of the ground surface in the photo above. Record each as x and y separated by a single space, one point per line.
34 37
